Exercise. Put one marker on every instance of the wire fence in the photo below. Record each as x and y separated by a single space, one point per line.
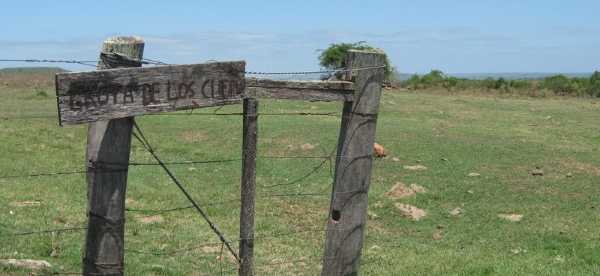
147 61
227 246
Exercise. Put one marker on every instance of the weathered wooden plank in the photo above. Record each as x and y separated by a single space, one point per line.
348 210
248 189
300 90
118 93
108 149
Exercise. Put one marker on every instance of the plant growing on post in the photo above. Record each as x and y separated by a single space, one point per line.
334 56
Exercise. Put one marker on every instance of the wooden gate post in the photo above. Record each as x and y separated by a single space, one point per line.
348 210
248 189
107 155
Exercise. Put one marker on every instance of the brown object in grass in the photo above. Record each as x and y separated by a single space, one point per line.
379 150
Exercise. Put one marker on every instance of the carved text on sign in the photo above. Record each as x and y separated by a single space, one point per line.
118 93
98 94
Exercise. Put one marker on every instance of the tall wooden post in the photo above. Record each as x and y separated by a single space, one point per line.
248 189
348 210
108 149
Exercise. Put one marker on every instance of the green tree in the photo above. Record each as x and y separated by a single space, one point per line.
414 82
435 78
593 86
560 85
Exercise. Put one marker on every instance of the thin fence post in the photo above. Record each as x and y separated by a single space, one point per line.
107 156
348 209
248 189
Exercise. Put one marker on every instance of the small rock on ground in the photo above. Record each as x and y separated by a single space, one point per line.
379 150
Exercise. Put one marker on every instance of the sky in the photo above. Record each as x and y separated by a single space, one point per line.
460 36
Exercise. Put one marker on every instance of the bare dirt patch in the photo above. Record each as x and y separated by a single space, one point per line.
410 211
415 168
400 190
418 188
511 217
307 146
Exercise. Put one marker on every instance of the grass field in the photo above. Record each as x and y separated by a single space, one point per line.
501 139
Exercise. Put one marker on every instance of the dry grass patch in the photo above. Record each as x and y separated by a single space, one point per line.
580 167
151 219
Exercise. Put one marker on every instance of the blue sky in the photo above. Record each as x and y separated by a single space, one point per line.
461 36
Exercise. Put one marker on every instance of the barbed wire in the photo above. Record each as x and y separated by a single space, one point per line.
50 231
149 61
139 135
81 62
26 117
331 114
42 174
326 159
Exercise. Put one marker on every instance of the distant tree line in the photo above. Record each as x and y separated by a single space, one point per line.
333 57
558 84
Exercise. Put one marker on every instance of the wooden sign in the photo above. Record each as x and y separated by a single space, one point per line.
118 93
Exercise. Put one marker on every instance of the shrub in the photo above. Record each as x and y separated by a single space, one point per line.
334 57
593 86
560 85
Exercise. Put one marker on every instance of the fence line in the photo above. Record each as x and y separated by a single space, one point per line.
147 61
138 134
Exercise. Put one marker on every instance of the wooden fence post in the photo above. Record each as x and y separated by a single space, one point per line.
107 155
348 210
248 189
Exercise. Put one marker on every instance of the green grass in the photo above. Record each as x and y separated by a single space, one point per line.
452 135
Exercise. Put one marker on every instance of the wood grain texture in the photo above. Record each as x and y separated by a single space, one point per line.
248 188
107 155
118 93
300 90
348 210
